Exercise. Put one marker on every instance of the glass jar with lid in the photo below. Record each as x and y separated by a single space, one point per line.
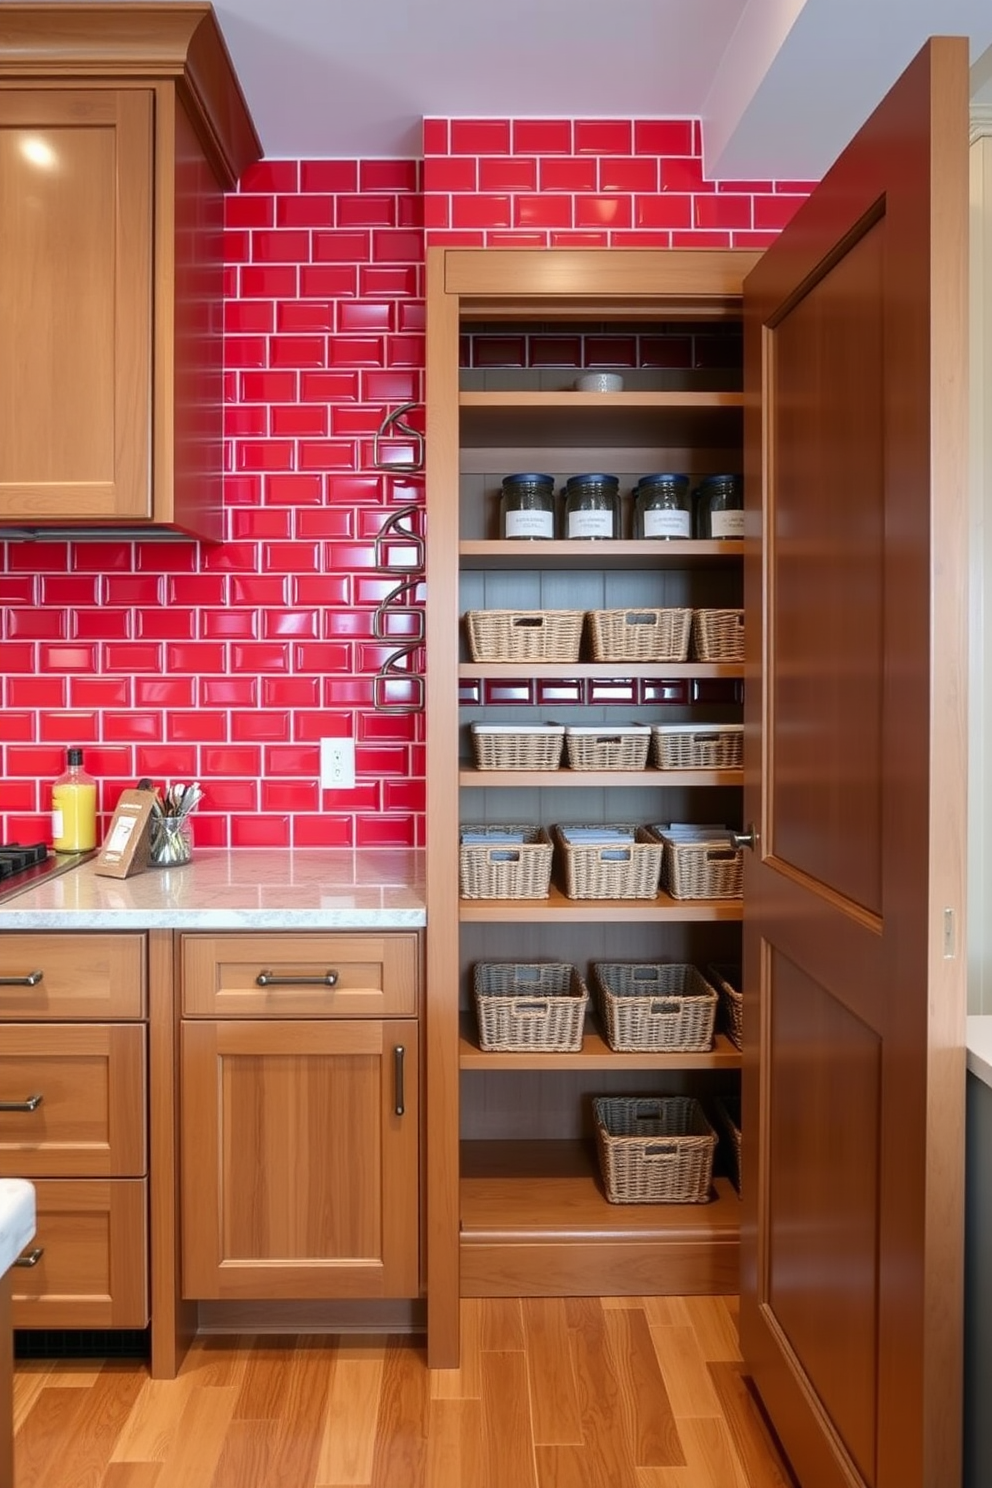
527 506
720 507
592 506
662 507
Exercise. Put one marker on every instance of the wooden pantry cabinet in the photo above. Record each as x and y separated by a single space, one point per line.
73 1120
299 1070
514 1201
121 127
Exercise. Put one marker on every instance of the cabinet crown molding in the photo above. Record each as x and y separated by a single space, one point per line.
142 43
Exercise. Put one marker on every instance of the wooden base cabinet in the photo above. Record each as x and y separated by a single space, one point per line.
300 1158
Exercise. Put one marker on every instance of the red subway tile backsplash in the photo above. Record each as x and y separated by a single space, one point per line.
229 663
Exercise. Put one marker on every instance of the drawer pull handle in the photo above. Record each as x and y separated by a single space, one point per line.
269 979
31 980
31 1104
30 1257
398 1052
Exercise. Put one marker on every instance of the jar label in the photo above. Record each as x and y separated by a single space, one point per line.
666 522
590 524
727 524
529 524
58 825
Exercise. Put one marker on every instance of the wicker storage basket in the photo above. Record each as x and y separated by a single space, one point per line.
640 635
613 862
718 635
524 635
654 1150
529 1005
509 863
654 1005
704 866
728 1111
727 981
510 746
684 746
591 748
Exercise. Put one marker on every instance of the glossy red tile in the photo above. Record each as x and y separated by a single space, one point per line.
542 211
201 727
294 623
294 421
437 213
248 657
36 692
542 136
348 692
323 589
664 351
37 625
366 315
681 176
328 387
356 351
397 246
227 624
611 351
300 489
329 176
699 239
197 657
603 690
164 692
479 137
39 761
381 727
366 211
410 317
392 279
197 589
628 173
54 658
133 725
210 831
507 173
164 624
328 658
38 558
290 795
515 692
389 175
330 281
406 351
268 281
356 420
18 795
280 246
345 246
166 761
559 692
759 240
720 211
246 351
663 211
258 727
435 137
602 136
231 557
225 692
236 246
271 176
311 210
664 137
18 591
249 211
100 692
383 762
290 692
248 422
242 759
298 351
773 212
260 831
385 831
326 454
451 173
229 795
325 830
23 657
498 351
574 174
298 317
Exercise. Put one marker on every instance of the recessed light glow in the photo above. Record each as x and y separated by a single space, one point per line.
38 152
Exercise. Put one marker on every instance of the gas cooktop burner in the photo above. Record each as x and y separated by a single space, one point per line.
24 867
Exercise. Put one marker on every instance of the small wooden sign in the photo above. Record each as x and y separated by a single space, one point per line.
127 845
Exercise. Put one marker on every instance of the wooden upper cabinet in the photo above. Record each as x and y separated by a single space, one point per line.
120 130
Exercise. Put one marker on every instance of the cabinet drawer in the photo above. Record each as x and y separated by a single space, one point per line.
93 1270
71 976
287 976
90 1121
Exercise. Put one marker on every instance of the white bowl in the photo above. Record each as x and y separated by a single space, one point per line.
599 382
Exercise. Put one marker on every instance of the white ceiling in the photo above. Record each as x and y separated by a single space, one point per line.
779 84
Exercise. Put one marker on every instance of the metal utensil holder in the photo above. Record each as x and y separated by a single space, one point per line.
393 538
395 426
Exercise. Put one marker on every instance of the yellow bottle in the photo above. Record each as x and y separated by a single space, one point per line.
74 808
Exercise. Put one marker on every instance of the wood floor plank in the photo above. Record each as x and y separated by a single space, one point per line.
99 1420
455 1456
263 1389
463 1383
347 1446
501 1325
220 1360
199 1443
757 1450
649 1419
714 1327
133 1475
404 1408
45 1435
506 1423
608 1451
30 1378
150 1429
683 1368
248 1455
710 1453
554 1401
299 1428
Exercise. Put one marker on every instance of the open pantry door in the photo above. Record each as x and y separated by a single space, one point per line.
856 440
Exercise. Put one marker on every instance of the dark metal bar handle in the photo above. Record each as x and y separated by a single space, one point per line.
31 980
269 979
398 1052
30 1257
31 1104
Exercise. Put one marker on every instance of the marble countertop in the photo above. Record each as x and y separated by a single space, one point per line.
17 1217
979 1044
242 889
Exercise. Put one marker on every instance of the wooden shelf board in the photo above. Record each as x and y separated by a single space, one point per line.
609 670
623 554
481 779
551 1191
559 908
595 1054
571 398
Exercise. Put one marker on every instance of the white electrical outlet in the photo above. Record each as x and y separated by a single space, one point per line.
337 764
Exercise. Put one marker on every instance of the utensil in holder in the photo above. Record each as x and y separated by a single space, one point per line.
171 841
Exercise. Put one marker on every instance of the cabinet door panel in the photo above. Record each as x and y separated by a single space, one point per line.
75 303
90 1121
65 977
300 1179
375 976
93 1270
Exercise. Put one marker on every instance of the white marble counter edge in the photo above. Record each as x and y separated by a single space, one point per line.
979 1042
213 919
17 1219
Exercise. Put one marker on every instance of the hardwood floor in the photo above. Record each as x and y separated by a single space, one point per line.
575 1393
